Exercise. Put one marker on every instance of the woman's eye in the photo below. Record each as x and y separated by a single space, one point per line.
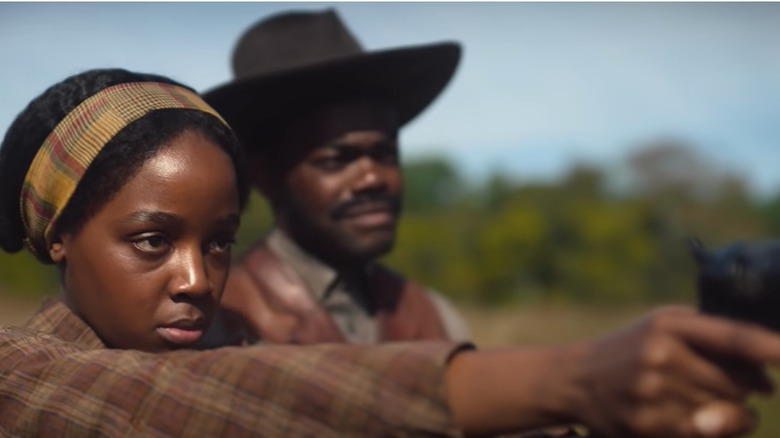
222 245
152 244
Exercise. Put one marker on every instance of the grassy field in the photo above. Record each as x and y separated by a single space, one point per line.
544 324
14 311
525 325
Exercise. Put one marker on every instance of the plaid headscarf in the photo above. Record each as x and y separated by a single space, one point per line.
74 143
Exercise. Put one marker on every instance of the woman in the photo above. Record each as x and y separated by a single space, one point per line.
121 251
132 186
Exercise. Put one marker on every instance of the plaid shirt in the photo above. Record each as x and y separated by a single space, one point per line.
58 379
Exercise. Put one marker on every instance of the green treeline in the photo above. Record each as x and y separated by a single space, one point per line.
603 235
599 235
610 234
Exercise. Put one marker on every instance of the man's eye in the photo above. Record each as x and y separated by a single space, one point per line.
386 155
334 162
152 244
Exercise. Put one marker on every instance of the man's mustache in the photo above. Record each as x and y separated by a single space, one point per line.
392 201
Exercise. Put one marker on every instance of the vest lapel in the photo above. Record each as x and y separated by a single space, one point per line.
404 310
275 301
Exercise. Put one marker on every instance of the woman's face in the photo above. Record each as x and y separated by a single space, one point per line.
147 271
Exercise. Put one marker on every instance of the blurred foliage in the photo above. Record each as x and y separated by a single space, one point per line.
256 220
582 239
22 275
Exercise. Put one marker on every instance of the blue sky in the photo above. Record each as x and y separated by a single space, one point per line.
540 85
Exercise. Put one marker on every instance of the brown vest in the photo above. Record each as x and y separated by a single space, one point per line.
269 300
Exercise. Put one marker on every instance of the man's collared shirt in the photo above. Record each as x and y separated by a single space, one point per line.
347 300
59 379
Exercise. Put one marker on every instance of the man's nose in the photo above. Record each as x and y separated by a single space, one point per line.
369 175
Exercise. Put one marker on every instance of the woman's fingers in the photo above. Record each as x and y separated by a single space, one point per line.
678 373
725 337
720 419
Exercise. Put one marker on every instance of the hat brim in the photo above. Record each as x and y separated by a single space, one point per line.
407 80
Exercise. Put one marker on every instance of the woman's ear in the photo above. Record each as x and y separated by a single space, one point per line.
57 251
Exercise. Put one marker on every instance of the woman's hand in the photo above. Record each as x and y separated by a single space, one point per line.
674 373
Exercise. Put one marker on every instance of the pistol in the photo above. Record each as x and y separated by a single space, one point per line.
740 280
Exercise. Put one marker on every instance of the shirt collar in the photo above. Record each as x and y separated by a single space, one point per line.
55 318
318 277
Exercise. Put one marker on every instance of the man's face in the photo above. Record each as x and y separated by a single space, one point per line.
148 269
340 185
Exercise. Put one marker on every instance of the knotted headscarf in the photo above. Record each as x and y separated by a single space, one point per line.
70 148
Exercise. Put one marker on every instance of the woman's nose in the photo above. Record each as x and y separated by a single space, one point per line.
191 275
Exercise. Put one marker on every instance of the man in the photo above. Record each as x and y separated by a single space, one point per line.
320 117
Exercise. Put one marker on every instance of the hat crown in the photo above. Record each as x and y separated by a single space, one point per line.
292 40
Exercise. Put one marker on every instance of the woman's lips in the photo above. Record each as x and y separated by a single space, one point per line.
181 335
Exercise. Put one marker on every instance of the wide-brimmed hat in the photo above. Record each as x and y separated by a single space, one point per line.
294 61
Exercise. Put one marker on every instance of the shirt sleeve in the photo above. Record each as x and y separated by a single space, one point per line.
52 388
